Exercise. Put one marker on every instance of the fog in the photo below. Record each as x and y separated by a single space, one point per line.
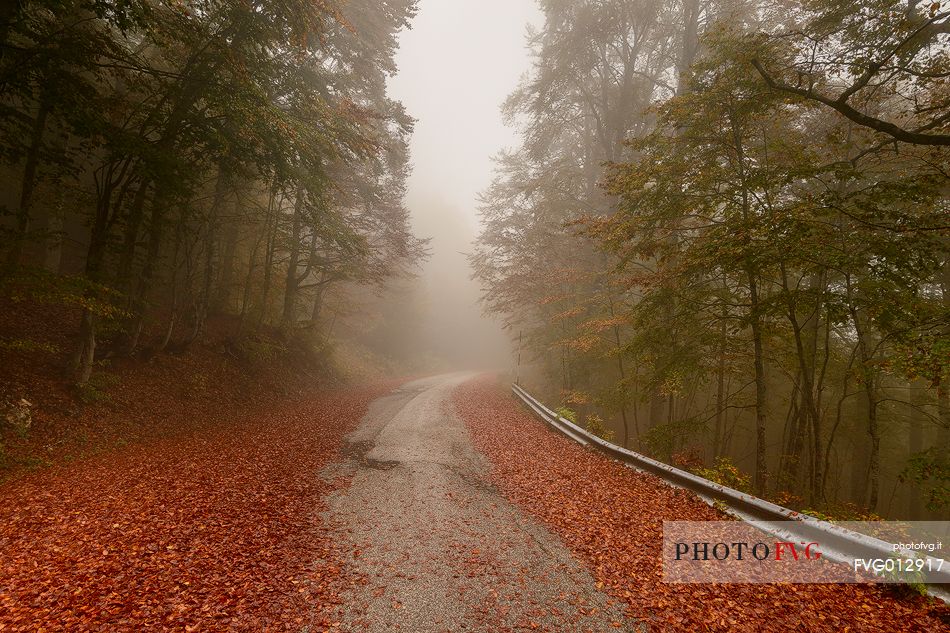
457 65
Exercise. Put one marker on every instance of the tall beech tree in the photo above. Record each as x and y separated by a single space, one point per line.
749 214
215 153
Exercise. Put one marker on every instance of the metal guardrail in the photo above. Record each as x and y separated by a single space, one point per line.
837 543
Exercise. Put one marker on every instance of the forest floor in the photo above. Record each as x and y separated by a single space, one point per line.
175 492
128 400
218 529
195 492
611 517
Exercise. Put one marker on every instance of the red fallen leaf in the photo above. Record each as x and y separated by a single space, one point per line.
186 508
609 515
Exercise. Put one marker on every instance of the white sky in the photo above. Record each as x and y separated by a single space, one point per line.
457 64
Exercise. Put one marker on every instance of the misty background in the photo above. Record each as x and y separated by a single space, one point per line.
455 97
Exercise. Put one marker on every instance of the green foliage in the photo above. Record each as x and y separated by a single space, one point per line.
189 138
595 425
758 248
842 511
96 389
568 414
44 287
725 473
909 590
258 350
896 44
930 471
28 345
665 438
910 582
720 505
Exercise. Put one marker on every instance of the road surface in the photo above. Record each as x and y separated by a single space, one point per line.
438 548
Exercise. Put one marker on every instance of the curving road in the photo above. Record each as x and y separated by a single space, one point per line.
438 548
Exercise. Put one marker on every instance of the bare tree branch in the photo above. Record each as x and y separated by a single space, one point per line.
879 125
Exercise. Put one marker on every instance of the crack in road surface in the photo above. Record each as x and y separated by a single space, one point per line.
436 547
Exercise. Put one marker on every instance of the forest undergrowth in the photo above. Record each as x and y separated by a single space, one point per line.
47 420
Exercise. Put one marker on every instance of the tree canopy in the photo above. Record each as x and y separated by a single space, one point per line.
178 159
726 228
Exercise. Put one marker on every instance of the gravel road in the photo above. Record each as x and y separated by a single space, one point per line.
436 547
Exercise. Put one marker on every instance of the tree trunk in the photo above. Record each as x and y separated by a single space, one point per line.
761 466
289 317
173 317
28 182
222 301
859 456
85 354
690 44
623 379
268 265
917 396
943 384
793 441
806 368
54 224
869 380
226 280
156 237
130 241
249 275
657 409
203 300
720 385
874 459
318 298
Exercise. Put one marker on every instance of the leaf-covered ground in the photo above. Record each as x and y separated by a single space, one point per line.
215 530
611 517
129 400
